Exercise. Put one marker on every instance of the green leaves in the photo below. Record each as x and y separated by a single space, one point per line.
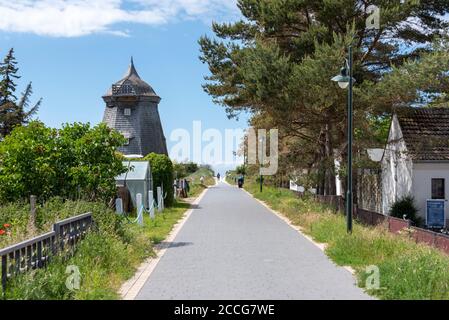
162 171
75 162
277 63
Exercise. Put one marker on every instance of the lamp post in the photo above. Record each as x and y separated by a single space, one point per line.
261 160
346 80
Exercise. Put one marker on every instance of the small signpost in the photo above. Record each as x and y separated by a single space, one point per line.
436 214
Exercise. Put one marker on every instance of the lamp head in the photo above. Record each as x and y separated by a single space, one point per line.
343 78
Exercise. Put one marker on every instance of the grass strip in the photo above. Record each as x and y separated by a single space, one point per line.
407 270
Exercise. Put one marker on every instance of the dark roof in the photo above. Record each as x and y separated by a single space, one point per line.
425 132
131 85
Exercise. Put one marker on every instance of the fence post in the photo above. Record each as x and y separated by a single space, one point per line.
175 190
119 206
160 199
139 205
151 203
33 201
4 269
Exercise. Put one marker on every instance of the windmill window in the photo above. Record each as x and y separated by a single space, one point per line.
125 89
127 112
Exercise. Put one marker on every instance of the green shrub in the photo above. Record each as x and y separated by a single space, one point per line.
75 162
53 210
406 206
162 170
241 170
182 170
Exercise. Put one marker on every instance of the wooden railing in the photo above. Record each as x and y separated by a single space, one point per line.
35 253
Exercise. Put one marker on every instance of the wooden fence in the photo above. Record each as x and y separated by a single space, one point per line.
36 252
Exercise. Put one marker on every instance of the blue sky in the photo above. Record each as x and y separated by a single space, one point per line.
72 64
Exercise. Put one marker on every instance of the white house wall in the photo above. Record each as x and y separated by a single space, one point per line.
422 182
397 168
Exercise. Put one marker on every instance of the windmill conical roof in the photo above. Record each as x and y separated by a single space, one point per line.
131 84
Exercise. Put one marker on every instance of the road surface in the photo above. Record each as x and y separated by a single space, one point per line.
232 247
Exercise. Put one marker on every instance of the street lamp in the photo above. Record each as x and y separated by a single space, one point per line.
343 78
261 160
346 80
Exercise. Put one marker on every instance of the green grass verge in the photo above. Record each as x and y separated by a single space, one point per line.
407 270
105 258
196 187
157 230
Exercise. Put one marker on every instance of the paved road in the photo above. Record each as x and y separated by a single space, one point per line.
232 247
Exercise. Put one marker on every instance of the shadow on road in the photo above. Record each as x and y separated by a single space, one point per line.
170 245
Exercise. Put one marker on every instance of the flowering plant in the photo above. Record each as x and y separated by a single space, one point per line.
6 226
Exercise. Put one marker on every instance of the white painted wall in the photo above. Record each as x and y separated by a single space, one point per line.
422 183
397 168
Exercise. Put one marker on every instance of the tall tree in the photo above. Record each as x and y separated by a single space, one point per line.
8 71
13 111
277 63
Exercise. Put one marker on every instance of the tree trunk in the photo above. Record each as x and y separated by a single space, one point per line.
330 186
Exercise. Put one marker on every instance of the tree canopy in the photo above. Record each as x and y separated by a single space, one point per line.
75 162
278 60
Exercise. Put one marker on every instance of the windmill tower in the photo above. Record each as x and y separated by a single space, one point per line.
132 109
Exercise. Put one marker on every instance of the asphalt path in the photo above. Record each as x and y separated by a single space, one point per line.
232 247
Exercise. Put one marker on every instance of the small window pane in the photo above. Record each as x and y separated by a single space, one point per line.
438 191
127 112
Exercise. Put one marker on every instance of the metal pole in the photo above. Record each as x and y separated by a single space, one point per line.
244 157
349 195
261 164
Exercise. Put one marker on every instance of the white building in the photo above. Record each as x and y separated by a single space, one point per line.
416 157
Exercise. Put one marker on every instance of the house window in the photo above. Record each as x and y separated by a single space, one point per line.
438 191
127 111
127 142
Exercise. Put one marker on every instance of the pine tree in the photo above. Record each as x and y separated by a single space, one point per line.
8 72
13 112
277 63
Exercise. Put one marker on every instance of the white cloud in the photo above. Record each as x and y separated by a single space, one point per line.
73 18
